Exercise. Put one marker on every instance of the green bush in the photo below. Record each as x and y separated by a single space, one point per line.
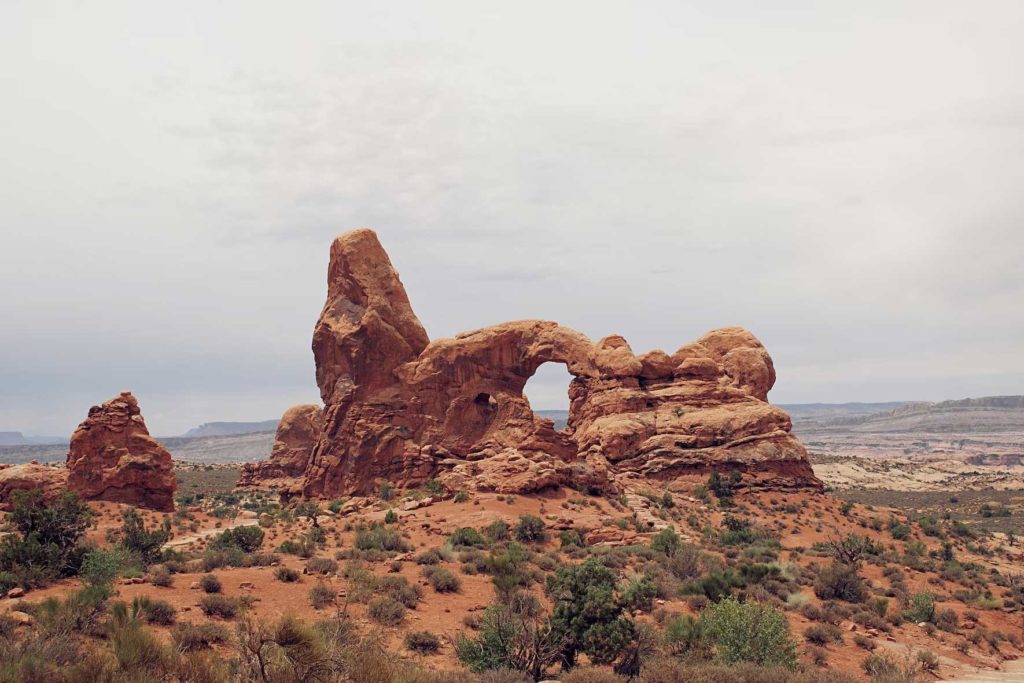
219 606
101 567
145 543
46 542
386 610
467 537
921 608
159 612
210 583
530 529
666 541
378 537
498 531
685 637
749 632
390 517
248 539
589 614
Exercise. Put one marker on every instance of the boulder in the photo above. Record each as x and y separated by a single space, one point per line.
112 457
293 443
50 480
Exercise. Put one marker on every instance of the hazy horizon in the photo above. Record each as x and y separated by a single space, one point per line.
841 180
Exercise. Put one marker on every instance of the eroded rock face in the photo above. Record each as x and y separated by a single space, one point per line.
401 408
112 457
293 444
50 480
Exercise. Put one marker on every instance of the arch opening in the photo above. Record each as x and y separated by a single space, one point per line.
548 393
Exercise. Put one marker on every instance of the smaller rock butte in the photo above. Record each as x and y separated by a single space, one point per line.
403 409
112 457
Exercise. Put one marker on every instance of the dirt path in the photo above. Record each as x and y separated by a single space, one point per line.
245 518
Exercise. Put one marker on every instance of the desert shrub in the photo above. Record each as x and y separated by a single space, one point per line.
286 574
862 641
160 575
399 588
823 634
422 642
511 640
442 580
46 542
685 637
429 557
188 637
303 547
321 595
666 541
839 581
321 565
159 612
210 583
378 537
390 517
749 632
928 660
136 538
921 607
530 529
386 610
219 606
498 530
248 539
101 567
947 620
899 532
467 537
509 568
7 582
887 669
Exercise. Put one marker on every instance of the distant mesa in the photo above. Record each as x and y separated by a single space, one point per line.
111 457
230 428
399 407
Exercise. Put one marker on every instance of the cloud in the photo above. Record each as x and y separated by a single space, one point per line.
842 181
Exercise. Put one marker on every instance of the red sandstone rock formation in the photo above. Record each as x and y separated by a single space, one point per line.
113 457
403 409
293 444
32 475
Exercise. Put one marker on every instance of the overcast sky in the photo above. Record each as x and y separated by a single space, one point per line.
843 179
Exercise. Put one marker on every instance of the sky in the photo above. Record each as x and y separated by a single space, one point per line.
842 179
